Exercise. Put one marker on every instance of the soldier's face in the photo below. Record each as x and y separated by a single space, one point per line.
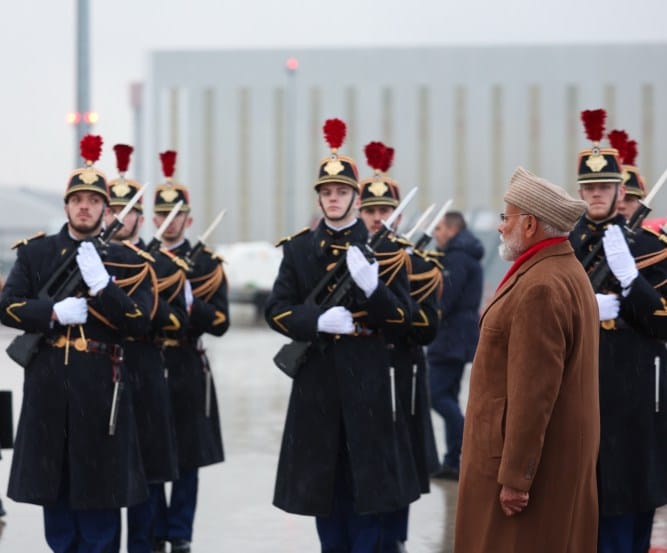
600 198
176 230
628 205
374 215
131 223
335 199
84 210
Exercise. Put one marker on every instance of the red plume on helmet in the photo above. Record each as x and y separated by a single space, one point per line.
334 133
168 160
594 120
619 140
630 152
123 153
388 159
375 154
91 148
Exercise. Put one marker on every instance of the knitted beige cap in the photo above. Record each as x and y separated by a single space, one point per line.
545 200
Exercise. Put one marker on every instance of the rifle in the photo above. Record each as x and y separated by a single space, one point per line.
428 233
194 253
63 283
600 272
408 235
155 243
339 281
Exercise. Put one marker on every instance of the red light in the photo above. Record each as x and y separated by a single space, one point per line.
73 118
91 117
292 64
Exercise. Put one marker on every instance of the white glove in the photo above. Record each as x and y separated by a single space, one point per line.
608 306
189 298
93 271
364 274
71 311
336 320
618 255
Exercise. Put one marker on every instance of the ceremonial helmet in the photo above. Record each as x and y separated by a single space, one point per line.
336 168
121 189
169 193
627 149
379 189
597 164
88 177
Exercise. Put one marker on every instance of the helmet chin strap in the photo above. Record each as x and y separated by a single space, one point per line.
612 207
344 215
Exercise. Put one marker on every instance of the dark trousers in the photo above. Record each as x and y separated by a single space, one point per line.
140 522
625 533
345 531
72 531
394 529
174 521
445 380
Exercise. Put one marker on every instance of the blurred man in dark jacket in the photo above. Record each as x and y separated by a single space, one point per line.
455 343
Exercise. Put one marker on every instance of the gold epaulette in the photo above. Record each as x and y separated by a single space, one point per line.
23 242
401 241
659 235
288 238
141 253
214 255
179 261
431 256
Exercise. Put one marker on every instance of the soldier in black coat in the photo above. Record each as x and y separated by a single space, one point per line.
70 456
346 455
380 195
632 480
190 379
143 356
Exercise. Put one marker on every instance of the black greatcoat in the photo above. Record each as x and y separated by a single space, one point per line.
632 473
64 418
344 385
198 435
407 354
147 374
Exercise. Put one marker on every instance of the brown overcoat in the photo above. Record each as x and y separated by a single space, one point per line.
533 420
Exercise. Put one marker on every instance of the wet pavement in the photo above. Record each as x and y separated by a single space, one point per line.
234 509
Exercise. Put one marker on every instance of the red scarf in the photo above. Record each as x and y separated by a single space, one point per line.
530 252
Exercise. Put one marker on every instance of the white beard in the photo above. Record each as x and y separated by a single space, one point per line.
510 250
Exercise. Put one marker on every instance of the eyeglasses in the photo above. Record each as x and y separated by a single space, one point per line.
504 217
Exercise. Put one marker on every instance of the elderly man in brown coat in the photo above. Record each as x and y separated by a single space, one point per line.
532 429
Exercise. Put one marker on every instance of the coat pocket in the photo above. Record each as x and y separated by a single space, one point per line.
490 437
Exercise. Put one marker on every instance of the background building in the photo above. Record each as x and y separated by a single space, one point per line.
247 123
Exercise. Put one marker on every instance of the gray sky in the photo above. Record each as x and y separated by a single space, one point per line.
38 64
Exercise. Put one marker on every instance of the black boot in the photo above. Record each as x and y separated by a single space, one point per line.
180 546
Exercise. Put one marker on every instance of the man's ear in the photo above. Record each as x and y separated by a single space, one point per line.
531 225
